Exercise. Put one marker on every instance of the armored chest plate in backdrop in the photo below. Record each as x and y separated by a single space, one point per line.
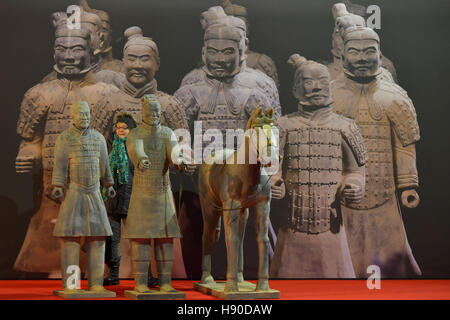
359 103
376 130
314 171
226 113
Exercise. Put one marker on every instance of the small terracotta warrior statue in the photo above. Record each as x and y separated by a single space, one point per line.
44 114
151 215
255 60
107 61
82 159
222 95
388 122
324 155
93 23
343 20
141 61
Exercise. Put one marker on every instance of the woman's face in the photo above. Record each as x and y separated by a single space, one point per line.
122 130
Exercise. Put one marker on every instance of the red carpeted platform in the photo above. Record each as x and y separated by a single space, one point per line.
290 289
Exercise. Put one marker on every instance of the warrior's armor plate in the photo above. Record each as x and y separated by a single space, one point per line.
380 110
314 166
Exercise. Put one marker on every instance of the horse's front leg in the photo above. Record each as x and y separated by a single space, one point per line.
261 213
231 223
211 223
242 225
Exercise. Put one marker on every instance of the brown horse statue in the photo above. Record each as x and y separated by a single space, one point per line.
230 183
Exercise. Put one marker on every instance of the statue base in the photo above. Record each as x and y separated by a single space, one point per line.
83 294
154 295
246 291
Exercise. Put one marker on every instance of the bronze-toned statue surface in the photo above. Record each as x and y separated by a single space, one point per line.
255 60
81 159
229 188
151 214
343 20
44 113
388 122
324 156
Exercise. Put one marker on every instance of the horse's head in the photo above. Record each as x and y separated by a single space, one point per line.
264 137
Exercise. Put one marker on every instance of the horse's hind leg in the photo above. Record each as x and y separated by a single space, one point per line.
211 223
261 214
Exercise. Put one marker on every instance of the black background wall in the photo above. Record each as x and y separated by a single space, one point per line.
414 36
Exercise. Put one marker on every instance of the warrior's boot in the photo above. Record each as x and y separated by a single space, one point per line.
140 252
165 275
96 264
164 262
70 256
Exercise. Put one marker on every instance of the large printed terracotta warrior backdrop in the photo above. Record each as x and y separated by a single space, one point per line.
413 42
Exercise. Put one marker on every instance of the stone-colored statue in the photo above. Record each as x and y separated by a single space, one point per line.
81 159
223 95
107 61
93 23
324 156
343 20
388 122
361 10
255 60
151 215
252 77
141 61
44 114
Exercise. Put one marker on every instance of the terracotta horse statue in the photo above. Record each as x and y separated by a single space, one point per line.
228 188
